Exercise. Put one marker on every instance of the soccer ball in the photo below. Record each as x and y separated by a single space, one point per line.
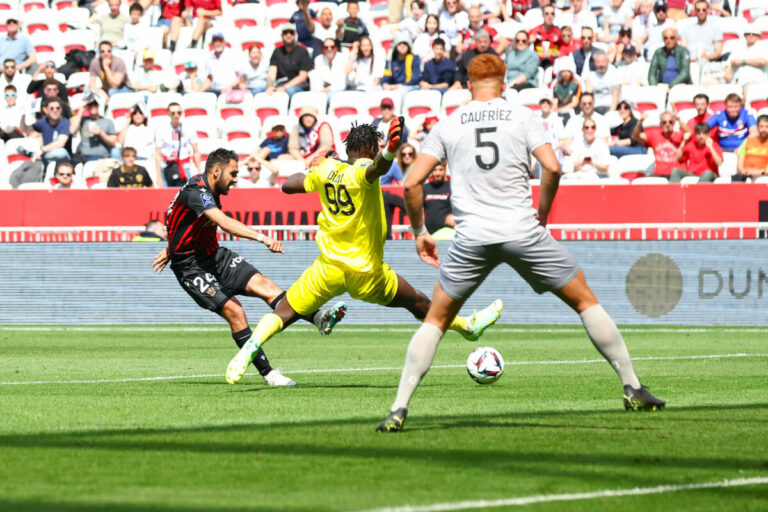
485 365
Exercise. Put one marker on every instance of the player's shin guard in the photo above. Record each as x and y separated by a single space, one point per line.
260 361
607 340
307 318
418 359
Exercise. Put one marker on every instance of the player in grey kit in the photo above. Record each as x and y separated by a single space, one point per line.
496 223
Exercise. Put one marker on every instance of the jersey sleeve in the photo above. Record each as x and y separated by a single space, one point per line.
359 173
311 180
433 145
200 201
535 135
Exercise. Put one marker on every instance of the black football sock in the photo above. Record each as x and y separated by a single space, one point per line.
172 46
260 361
308 318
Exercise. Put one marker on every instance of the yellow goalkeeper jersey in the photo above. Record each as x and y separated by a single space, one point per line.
352 225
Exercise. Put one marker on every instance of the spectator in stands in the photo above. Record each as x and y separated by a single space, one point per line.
10 115
701 104
64 174
111 23
422 45
554 129
590 154
129 175
482 45
403 70
191 81
16 46
11 76
98 137
134 32
253 74
575 127
522 64
52 89
492 9
48 70
704 39
665 142
622 143
733 125
221 67
604 83
154 231
275 145
616 17
547 38
753 153
453 19
108 73
303 20
566 90
171 22
748 65
700 156
55 130
509 11
147 78
136 134
364 70
331 67
309 137
439 72
654 37
671 64
584 57
413 24
615 50
289 65
326 28
631 71
421 136
352 28
578 17
381 123
438 213
204 11
175 150
255 180
476 23
568 44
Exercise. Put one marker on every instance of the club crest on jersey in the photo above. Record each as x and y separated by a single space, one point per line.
210 291
208 200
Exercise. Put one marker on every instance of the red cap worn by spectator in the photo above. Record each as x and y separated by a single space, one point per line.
387 103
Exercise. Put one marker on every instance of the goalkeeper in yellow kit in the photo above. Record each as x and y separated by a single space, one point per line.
352 231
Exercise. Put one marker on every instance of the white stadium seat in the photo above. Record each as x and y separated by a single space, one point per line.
267 105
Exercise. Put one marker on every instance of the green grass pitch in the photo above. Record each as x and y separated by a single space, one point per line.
553 424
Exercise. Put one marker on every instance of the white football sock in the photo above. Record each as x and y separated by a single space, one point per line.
607 340
418 359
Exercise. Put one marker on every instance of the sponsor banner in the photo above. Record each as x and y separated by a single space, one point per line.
670 283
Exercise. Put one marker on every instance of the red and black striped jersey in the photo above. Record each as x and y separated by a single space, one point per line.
189 231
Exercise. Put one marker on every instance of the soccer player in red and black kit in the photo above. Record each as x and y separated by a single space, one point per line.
213 275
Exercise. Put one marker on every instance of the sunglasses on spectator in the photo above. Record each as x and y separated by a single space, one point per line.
64 174
50 65
174 112
408 153
254 169
386 108
590 127
624 107
10 95
667 122
329 47
521 40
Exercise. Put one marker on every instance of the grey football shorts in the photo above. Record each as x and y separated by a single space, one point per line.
544 263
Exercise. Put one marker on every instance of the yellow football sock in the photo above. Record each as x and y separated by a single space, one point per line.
459 324
269 325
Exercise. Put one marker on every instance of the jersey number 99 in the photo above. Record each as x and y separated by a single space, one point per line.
339 200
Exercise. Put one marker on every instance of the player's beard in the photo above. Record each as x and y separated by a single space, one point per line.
222 188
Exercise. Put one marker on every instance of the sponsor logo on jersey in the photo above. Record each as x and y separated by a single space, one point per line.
208 200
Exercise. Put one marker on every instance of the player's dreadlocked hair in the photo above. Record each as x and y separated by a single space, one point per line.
362 136
219 157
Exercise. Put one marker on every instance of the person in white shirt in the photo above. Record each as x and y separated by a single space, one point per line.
255 178
135 32
326 28
176 153
617 16
414 24
364 69
590 154
604 83
422 45
577 17
10 114
553 127
331 66
253 74
654 37
631 71
748 64
221 68
574 128
453 20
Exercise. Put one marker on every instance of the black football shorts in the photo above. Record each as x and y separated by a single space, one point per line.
212 280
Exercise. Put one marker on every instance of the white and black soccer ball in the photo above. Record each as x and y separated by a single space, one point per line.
485 365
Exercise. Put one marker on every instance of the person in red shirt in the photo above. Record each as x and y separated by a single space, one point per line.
701 156
701 104
204 11
665 142
170 21
568 44
546 38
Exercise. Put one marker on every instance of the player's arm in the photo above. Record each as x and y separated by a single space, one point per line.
414 205
383 160
236 228
550 179
294 184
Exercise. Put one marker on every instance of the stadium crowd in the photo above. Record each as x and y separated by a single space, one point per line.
115 93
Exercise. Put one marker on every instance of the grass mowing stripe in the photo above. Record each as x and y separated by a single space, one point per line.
381 368
548 498
361 329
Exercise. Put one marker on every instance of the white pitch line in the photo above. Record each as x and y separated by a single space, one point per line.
379 369
548 498
343 329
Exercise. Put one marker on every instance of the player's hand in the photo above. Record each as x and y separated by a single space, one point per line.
161 260
395 134
427 249
273 245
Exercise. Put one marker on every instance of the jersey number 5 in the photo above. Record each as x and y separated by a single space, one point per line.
480 143
339 199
